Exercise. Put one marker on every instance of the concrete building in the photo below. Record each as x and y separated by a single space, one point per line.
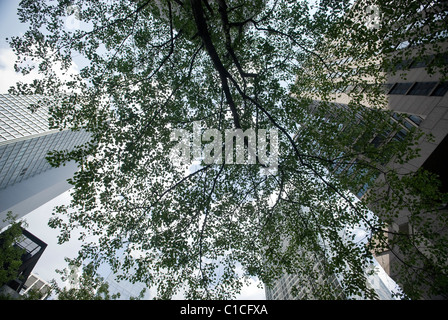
27 180
37 284
416 89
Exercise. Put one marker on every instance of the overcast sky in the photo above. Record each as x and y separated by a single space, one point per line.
53 256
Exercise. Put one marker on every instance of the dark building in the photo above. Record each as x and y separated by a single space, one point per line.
32 248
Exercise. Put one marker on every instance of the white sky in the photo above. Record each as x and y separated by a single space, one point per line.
53 256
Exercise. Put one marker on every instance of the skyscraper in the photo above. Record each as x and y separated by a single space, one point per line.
126 289
416 91
27 180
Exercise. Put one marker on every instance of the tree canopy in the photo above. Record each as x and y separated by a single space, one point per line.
202 229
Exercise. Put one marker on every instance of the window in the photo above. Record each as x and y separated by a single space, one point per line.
400 135
351 168
408 125
440 90
23 172
402 65
363 190
400 88
416 119
422 62
403 45
348 88
441 59
386 87
422 88
396 116
341 167
367 185
403 228
29 245
380 138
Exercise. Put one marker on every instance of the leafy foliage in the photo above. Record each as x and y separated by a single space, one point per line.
10 255
155 66
88 286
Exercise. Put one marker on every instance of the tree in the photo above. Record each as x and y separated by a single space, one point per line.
160 66
10 255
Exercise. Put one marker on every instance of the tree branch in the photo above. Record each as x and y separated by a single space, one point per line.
201 25
226 26
204 224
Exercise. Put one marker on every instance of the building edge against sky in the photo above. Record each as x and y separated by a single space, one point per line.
27 180
421 96
436 118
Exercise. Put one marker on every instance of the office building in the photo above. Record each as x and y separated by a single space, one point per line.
33 248
415 89
27 180
125 288
289 287
36 284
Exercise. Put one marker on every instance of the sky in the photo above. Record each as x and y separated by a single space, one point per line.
54 254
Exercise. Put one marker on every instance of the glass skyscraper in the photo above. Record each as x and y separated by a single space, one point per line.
27 180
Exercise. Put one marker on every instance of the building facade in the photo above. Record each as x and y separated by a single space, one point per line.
36 284
420 96
32 248
126 289
27 180
416 91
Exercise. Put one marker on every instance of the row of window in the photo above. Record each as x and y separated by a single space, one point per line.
406 64
435 89
16 119
423 62
280 291
23 159
407 123
283 286
27 158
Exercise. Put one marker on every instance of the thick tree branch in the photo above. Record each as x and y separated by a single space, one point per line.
226 26
201 25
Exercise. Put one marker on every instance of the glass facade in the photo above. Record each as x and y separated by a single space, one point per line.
26 158
288 288
25 139
126 289
17 119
